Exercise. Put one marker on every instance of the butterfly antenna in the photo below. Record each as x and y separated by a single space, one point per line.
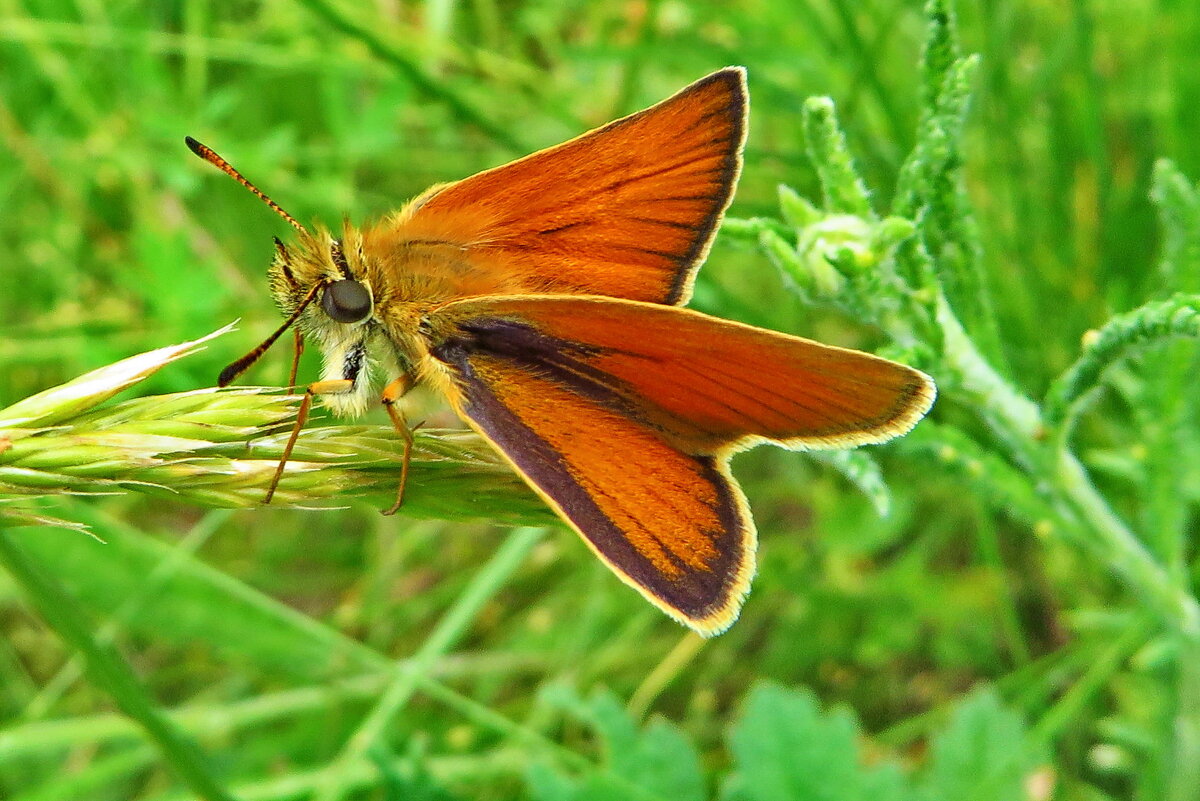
208 154
243 364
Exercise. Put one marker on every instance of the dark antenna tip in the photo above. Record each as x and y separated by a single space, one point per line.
229 373
208 154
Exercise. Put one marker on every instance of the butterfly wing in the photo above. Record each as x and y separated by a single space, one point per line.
709 385
622 415
628 210
671 524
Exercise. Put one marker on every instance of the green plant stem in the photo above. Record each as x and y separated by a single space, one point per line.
1091 522
1015 415
109 671
1017 422
410 674
28 740
1126 554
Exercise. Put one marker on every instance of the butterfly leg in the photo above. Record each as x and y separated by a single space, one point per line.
318 388
392 393
297 352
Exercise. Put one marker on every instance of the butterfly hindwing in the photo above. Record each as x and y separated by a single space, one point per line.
623 415
673 525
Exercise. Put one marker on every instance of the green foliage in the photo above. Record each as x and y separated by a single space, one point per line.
973 189
844 192
1177 316
656 763
782 746
861 470
1178 203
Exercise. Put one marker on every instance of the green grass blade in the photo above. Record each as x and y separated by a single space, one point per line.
110 672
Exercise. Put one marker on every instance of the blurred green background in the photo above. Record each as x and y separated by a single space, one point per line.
117 240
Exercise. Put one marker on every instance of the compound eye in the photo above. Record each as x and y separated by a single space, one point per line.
346 301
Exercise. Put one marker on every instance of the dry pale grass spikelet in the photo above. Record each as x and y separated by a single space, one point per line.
221 447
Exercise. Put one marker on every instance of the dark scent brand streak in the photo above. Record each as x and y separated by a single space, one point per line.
680 226
668 170
563 362
564 227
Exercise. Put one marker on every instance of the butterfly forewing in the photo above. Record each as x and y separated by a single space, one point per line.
627 210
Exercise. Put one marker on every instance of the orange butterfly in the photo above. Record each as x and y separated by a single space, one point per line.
543 300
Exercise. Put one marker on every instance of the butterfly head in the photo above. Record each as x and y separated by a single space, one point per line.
320 284
327 272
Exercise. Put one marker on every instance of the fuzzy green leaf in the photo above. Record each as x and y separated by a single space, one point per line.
931 179
786 748
747 231
939 53
931 186
843 189
796 210
860 469
1178 201
1148 324
796 274
658 761
985 754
